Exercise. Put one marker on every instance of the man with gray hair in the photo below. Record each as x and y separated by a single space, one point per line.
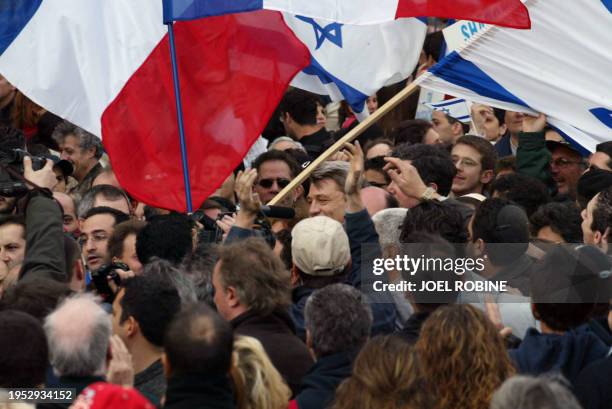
83 150
527 392
104 195
388 224
338 323
326 196
78 333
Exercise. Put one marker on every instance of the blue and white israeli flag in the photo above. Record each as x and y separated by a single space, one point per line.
562 67
351 62
456 108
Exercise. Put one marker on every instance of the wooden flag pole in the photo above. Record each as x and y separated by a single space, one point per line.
349 137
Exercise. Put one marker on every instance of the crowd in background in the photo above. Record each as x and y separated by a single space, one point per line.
141 307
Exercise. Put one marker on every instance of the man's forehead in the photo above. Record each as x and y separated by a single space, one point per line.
439 115
565 152
324 186
274 165
467 151
14 227
98 222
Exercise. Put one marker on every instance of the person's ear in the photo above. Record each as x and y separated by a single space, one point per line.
232 297
166 365
131 326
434 186
487 176
597 237
534 312
78 271
457 128
298 192
295 276
479 248
90 152
604 240
502 129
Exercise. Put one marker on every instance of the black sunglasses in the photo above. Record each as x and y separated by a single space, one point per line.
267 183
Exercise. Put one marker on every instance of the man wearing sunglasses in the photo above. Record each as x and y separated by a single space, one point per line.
566 167
275 170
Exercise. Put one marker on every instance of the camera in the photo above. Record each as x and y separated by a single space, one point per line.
101 277
210 232
10 186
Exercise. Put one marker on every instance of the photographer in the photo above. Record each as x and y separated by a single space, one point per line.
44 255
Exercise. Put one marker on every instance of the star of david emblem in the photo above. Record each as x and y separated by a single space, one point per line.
331 32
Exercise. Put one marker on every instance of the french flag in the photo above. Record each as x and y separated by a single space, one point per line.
105 66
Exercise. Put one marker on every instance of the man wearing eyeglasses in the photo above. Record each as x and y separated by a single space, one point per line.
566 167
554 162
96 228
275 170
475 158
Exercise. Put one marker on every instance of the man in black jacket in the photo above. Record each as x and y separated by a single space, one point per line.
338 322
252 291
299 116
197 360
44 227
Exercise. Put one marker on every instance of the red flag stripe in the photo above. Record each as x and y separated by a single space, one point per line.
232 78
505 13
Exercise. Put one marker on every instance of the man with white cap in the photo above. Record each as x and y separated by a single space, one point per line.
325 252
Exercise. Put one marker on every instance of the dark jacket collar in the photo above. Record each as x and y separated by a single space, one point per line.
567 353
316 143
199 391
277 318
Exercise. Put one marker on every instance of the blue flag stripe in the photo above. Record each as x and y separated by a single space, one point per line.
14 15
355 98
444 104
193 9
459 71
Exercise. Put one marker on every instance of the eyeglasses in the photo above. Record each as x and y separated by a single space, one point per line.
465 161
562 162
96 237
267 183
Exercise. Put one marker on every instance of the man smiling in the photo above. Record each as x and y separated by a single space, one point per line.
474 158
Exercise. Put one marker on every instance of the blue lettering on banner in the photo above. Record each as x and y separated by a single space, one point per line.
470 29
331 32
604 115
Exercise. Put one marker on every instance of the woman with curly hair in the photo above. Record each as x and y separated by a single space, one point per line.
462 358
258 385
384 376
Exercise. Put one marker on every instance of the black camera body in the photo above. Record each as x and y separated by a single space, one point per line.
105 273
10 186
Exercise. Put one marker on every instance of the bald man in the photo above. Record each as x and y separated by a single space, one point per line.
71 222
376 199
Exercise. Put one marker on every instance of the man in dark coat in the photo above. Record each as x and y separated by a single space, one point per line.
252 292
197 360
338 323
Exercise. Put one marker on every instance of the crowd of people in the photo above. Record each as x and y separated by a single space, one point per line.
133 306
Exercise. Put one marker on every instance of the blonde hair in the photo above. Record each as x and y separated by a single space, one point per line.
258 384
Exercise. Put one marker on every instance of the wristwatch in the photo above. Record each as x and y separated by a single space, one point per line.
428 194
